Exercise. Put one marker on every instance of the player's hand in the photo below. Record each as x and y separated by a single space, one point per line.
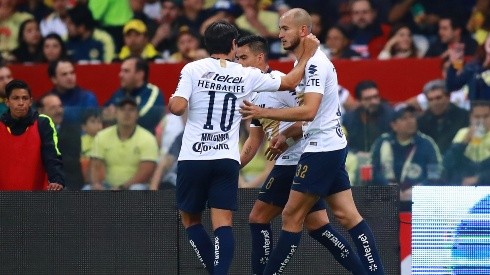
277 146
53 186
310 44
249 110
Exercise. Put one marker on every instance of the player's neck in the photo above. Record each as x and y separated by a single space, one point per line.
228 57
264 68
298 51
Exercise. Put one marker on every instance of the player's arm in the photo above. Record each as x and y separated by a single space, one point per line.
292 79
284 140
177 105
305 112
50 154
251 145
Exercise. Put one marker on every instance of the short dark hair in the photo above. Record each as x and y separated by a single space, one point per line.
257 44
364 85
81 15
40 102
16 84
89 113
140 65
54 64
219 37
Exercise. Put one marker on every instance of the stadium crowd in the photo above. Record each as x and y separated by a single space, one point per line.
439 137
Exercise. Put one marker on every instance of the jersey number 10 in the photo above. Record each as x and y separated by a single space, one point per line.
223 126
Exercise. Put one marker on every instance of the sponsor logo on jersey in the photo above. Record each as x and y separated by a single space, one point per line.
228 78
215 137
208 75
202 147
312 69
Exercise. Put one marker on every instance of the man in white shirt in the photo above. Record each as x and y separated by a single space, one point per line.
207 173
321 169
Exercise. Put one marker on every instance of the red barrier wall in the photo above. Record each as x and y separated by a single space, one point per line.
397 79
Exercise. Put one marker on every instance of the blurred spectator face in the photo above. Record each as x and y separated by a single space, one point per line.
60 6
406 125
187 44
73 30
5 77
446 32
137 5
169 11
192 4
316 24
127 115
52 49
129 76
336 41
404 39
65 77
135 41
289 33
362 14
247 58
370 100
19 103
7 8
31 34
53 108
481 113
438 101
92 126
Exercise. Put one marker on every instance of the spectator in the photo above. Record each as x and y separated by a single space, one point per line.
10 21
475 74
153 8
74 98
165 175
347 101
35 7
368 121
91 125
189 48
68 137
125 154
55 21
452 34
479 23
5 77
81 44
421 16
136 42
53 48
400 44
467 162
111 16
134 83
337 44
256 20
166 33
405 156
137 7
193 14
25 146
368 34
442 120
29 44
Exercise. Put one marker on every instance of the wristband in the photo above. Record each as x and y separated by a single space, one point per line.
290 141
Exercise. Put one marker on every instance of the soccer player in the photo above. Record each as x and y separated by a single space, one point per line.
321 170
208 164
252 52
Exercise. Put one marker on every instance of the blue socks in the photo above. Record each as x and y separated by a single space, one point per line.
287 245
366 247
262 245
339 247
202 245
224 246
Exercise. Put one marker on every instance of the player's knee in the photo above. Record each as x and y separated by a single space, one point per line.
315 221
347 219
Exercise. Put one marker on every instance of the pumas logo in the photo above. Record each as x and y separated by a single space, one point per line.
208 75
312 69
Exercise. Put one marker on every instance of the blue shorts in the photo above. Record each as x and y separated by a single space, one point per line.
322 173
277 186
214 182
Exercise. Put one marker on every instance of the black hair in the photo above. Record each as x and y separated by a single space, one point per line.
364 85
54 64
90 113
58 38
16 84
257 44
81 15
141 65
219 37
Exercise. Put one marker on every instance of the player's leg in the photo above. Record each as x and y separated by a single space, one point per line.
345 210
191 200
222 199
319 228
271 200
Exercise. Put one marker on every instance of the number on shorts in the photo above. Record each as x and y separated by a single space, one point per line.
269 183
301 171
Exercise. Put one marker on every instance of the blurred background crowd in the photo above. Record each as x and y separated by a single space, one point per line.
439 137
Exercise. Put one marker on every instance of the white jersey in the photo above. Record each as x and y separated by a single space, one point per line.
272 128
324 133
214 89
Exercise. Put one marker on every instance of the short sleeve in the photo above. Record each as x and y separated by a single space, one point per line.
149 148
263 82
316 76
97 148
184 86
